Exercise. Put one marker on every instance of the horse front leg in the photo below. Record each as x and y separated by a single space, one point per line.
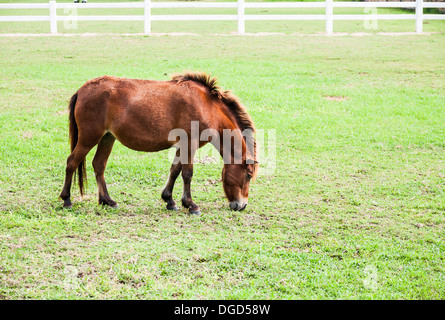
187 202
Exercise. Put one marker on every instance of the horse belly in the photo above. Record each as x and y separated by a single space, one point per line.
144 144
140 132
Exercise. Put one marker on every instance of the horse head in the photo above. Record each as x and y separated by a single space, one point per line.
236 181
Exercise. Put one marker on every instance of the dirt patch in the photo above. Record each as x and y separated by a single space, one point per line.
27 135
59 113
207 160
335 98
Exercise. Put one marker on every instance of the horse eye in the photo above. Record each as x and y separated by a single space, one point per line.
249 176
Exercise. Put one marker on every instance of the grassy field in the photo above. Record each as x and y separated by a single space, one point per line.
355 208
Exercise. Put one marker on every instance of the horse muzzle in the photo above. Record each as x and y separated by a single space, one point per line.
238 205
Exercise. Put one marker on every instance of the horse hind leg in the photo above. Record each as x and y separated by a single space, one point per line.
99 164
167 192
74 160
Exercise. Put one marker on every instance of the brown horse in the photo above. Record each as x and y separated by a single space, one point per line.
142 114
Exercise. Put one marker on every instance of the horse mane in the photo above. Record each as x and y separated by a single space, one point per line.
243 119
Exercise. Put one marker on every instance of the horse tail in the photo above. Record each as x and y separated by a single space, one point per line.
74 136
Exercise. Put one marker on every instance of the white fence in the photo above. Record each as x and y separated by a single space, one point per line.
241 17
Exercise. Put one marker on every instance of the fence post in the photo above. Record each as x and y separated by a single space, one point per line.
241 25
329 17
147 16
419 16
53 16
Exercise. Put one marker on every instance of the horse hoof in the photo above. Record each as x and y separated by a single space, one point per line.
70 206
109 203
195 213
173 208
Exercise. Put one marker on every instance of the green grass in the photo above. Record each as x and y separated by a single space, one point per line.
357 194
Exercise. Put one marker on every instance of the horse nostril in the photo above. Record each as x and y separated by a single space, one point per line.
244 207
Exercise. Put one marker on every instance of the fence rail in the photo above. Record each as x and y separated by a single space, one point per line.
240 5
